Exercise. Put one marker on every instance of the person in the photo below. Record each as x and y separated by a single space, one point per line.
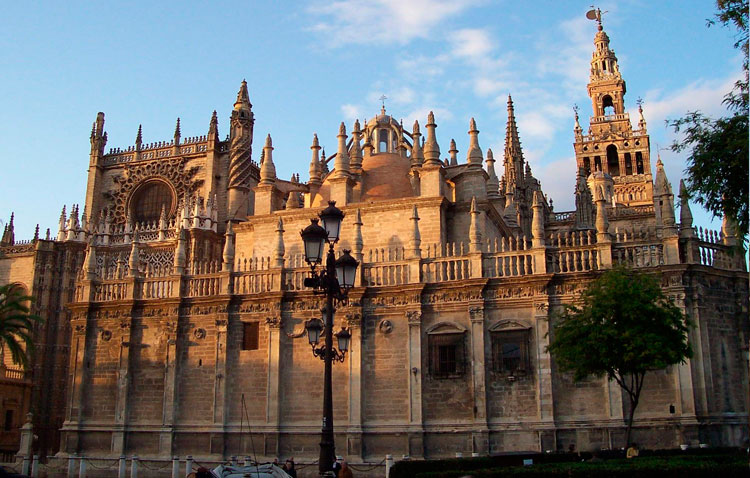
632 451
345 471
203 473
289 468
337 465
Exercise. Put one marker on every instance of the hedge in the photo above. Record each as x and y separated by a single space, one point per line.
659 463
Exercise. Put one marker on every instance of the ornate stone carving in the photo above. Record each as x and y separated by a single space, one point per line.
273 322
106 335
170 170
414 317
199 333
385 326
476 314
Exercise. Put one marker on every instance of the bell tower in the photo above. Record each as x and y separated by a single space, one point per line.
612 146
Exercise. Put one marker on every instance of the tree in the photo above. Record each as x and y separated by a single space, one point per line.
717 165
16 323
624 327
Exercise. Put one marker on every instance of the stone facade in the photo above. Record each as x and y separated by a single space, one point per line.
175 305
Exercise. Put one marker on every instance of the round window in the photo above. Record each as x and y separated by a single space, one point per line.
148 201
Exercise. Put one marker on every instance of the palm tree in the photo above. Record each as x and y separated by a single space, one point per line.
16 323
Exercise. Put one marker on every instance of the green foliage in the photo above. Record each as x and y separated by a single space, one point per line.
624 327
16 324
717 172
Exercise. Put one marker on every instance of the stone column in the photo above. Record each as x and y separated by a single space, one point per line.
123 386
169 403
273 397
480 435
354 431
545 396
220 383
416 433
74 413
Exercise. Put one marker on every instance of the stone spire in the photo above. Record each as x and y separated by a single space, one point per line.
315 169
134 262
663 194
8 238
279 251
61 229
584 202
415 242
292 201
356 154
89 263
641 119
139 138
493 183
417 156
686 215
431 147
537 220
341 163
228 253
475 233
177 132
267 169
474 154
513 161
577 128
603 61
602 223
453 153
241 126
358 242
98 137
180 255
213 126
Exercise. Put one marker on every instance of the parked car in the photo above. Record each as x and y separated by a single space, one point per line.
8 473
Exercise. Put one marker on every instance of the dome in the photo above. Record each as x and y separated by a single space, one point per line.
385 176
383 120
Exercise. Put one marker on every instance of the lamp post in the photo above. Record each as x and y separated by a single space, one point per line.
334 280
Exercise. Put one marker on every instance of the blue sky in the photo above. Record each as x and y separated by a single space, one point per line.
310 65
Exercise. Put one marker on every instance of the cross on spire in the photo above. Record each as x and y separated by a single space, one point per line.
382 103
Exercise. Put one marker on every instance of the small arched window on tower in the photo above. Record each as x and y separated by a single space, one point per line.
149 199
628 164
382 141
639 162
587 166
613 161
597 163
608 106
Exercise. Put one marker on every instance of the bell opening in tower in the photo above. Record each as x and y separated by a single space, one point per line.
608 106
613 161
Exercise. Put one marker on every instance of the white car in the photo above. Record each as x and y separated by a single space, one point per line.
266 470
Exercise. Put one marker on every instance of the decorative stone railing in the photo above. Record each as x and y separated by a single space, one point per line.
257 282
638 255
606 118
620 212
157 288
204 285
442 269
385 274
108 291
572 259
508 264
12 373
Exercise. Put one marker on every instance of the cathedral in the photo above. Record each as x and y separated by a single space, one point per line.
175 303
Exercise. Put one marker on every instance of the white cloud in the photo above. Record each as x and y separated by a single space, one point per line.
472 43
350 111
701 95
382 21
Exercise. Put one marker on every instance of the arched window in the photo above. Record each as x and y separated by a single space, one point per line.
639 162
587 166
613 161
383 141
628 164
597 163
607 105
148 200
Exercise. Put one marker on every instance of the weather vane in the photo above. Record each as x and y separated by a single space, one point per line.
575 108
595 14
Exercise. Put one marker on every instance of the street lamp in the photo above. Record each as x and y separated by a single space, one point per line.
334 281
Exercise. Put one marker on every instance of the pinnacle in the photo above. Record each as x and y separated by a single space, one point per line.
268 141
139 136
342 129
177 128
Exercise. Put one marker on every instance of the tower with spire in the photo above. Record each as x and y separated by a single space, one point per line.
612 147
240 152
